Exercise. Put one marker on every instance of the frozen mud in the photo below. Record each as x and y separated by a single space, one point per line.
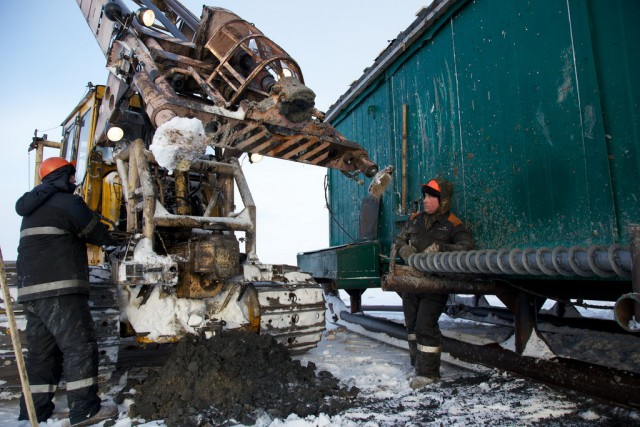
236 377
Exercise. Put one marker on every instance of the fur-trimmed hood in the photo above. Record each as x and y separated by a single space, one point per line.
446 196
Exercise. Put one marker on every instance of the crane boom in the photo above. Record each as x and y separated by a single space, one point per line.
248 92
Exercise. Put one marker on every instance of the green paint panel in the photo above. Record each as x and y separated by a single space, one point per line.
529 167
350 267
371 121
529 107
615 33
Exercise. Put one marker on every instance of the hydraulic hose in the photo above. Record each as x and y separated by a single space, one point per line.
593 261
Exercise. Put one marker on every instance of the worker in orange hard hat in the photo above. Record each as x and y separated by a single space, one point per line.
54 163
53 287
435 229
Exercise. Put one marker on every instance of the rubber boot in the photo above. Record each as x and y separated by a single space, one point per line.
427 370
413 351
419 382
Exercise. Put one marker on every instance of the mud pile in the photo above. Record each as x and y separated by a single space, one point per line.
236 376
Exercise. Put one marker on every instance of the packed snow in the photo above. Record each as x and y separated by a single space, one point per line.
178 143
536 347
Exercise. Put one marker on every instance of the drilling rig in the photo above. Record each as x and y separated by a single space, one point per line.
156 152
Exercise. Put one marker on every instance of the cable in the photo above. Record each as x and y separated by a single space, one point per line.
326 200
47 130
28 169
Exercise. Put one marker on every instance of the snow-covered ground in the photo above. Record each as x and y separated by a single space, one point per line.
467 394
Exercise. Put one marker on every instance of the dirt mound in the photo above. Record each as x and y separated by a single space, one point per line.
236 376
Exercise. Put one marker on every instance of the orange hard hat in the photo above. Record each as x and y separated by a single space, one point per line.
432 188
51 164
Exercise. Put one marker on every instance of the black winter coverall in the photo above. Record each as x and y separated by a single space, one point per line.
53 286
422 310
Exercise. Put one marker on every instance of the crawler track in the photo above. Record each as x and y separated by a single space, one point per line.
613 385
292 312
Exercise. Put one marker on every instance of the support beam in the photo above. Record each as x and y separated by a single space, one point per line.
605 383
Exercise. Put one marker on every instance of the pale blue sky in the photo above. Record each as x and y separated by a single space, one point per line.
49 55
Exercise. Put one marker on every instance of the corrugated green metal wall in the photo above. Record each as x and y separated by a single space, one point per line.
529 107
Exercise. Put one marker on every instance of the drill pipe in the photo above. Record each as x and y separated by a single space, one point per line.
438 285
594 261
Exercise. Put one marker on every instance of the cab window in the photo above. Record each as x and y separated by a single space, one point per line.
69 142
83 147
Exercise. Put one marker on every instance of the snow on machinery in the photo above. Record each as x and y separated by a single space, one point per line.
157 157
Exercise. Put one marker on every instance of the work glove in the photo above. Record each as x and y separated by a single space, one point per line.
119 237
432 249
405 251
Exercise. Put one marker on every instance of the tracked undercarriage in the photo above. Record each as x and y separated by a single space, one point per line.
268 299
284 303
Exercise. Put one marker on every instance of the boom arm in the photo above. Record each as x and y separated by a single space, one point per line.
176 86
247 91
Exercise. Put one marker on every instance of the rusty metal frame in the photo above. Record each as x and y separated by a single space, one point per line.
260 66
133 164
245 220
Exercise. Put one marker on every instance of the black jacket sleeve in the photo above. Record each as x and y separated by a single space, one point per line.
97 233
87 225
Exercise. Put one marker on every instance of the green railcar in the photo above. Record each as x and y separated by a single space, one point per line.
532 110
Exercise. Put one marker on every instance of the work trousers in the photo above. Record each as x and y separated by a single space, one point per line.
61 337
421 314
